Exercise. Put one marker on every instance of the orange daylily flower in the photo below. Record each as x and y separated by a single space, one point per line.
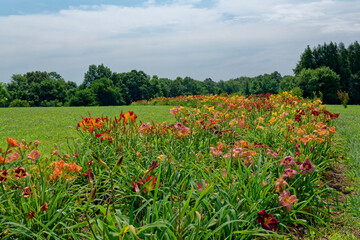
259 127
244 143
300 131
280 184
72 167
31 215
305 139
61 168
23 146
322 132
91 123
12 142
3 160
129 115
332 129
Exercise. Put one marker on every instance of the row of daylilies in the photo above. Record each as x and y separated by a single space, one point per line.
304 125
228 167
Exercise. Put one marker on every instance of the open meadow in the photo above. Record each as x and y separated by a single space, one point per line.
51 125
220 167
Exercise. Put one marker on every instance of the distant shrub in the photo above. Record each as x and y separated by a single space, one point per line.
83 97
296 91
344 98
4 102
19 103
53 103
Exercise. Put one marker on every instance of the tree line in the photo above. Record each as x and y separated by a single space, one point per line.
320 72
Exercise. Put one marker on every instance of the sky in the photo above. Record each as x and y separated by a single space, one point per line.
217 39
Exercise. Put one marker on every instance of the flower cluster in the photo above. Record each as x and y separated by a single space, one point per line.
283 130
62 170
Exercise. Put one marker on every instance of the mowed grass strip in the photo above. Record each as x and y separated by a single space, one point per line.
57 125
348 130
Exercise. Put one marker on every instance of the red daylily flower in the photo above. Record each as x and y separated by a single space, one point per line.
3 176
44 207
27 192
153 165
297 117
20 172
267 221
334 115
105 135
136 186
90 176
150 183
31 215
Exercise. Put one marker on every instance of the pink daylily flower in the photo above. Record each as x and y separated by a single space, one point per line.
34 155
286 200
288 161
307 166
13 157
289 173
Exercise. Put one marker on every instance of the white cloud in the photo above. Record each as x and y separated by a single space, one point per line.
327 15
231 39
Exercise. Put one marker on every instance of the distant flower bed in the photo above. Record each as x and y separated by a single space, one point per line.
230 167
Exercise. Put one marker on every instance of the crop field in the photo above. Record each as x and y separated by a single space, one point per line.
196 167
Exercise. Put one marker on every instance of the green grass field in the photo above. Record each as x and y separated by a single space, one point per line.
348 128
56 125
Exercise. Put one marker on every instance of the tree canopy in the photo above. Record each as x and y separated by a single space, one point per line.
321 71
